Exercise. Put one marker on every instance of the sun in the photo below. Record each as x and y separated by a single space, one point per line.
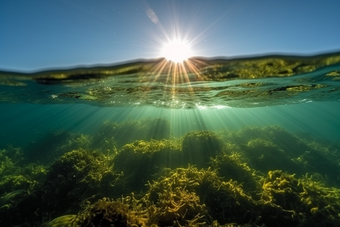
177 51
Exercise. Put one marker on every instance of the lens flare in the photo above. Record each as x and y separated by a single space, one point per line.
176 51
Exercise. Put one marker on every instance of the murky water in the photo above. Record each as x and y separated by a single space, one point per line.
222 142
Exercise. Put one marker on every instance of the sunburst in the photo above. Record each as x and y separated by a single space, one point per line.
177 50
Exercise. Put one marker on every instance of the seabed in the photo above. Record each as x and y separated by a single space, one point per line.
248 177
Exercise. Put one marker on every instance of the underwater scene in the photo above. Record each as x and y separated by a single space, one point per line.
207 142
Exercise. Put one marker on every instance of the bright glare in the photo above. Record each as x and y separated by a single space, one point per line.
177 51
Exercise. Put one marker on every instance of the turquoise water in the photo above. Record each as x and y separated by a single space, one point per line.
30 121
244 142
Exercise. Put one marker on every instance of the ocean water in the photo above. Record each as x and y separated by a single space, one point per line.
210 142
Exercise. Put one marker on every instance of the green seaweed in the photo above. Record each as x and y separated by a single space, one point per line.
76 175
141 160
250 177
224 201
308 201
232 167
69 220
199 146
107 213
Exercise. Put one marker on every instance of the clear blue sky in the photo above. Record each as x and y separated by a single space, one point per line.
41 34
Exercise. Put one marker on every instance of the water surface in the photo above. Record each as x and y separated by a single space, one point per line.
211 142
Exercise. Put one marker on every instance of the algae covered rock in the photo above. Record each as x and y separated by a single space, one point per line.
282 189
244 178
140 160
17 198
108 213
224 201
323 159
231 167
309 202
275 135
175 201
104 212
178 207
199 146
265 155
15 174
268 148
76 175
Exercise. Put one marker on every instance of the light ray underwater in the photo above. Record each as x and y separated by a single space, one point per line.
248 141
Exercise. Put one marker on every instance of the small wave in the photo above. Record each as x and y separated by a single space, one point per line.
196 83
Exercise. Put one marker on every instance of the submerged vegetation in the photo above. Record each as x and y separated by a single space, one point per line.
135 174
